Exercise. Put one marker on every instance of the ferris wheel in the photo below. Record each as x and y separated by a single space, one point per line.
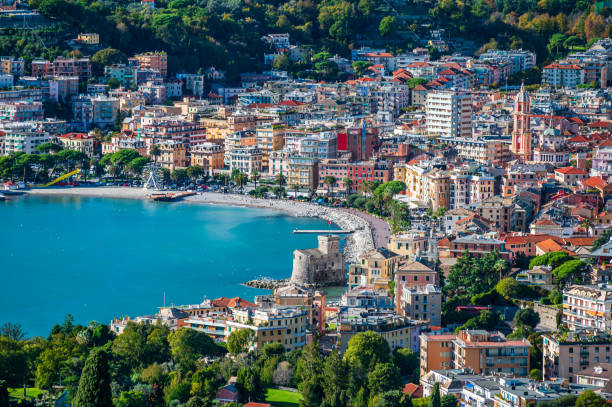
151 174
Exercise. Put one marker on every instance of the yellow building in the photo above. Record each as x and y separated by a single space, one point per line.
270 138
172 155
78 142
375 269
302 171
286 326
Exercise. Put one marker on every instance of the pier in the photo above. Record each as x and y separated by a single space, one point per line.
324 231
169 197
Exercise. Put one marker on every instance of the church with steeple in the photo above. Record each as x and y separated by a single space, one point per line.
521 134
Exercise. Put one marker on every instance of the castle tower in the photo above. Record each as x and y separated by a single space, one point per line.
521 135
329 244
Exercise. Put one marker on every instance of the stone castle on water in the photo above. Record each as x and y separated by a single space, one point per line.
321 266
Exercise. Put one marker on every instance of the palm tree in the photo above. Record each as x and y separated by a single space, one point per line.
155 152
330 181
241 179
281 180
255 176
295 188
348 182
500 267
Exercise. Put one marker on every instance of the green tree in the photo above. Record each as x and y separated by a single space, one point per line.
359 67
590 399
4 395
105 57
132 399
188 345
569 272
249 384
449 400
535 374
335 381
94 385
330 181
387 26
238 341
348 183
384 377
408 363
434 398
366 349
130 346
601 240
507 287
526 317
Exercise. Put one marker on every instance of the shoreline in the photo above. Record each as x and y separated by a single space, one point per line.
357 243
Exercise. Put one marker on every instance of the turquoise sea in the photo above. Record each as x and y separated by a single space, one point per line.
100 258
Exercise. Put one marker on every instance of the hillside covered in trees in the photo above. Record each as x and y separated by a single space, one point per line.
227 33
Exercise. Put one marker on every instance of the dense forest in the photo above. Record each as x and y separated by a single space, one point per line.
227 33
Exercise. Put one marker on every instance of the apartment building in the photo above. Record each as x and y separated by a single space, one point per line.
79 67
588 307
477 246
207 155
421 303
449 113
246 159
358 172
23 137
21 111
286 326
270 138
173 154
302 172
482 150
375 269
398 331
563 75
79 142
568 354
157 61
436 352
12 66
482 352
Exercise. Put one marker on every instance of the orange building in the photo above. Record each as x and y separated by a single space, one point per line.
479 351
436 352
157 61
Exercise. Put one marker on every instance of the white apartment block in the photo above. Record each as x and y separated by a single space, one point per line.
563 75
23 137
245 159
588 307
449 113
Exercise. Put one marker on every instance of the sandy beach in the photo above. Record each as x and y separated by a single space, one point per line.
356 244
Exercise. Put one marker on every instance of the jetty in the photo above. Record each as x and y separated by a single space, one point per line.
324 232
171 196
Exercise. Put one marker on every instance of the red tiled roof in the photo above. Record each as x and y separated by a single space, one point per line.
549 245
235 302
291 103
562 66
571 170
600 124
594 182
413 390
578 139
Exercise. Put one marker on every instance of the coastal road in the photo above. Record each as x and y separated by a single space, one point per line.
380 227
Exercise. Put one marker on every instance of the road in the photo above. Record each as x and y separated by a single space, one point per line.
380 227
